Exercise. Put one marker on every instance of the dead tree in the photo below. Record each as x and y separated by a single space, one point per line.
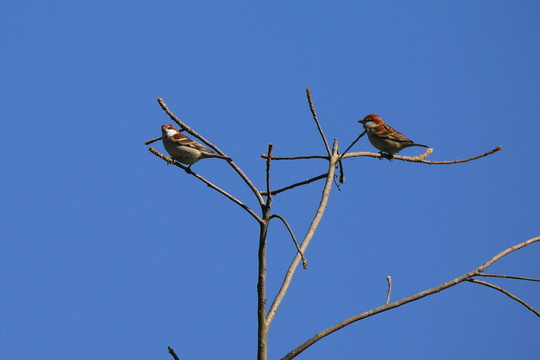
265 315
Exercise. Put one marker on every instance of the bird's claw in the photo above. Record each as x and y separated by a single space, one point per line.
385 156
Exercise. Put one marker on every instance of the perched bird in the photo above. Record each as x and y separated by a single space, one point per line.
184 149
384 137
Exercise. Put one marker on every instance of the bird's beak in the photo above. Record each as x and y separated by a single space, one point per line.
362 121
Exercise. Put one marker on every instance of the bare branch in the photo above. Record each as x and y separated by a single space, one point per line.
406 300
341 170
268 161
420 158
264 156
304 261
262 322
509 277
354 142
312 108
215 148
506 252
218 189
309 235
341 174
506 293
171 351
151 141
389 280
274 192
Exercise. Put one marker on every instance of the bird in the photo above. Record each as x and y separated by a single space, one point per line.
182 148
384 137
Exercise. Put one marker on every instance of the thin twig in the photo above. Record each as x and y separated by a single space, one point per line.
171 351
274 192
215 148
218 189
304 260
312 108
506 252
389 280
509 277
406 300
341 171
309 235
507 294
420 158
268 161
264 156
341 174
153 140
354 142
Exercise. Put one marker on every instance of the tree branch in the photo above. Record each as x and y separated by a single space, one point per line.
304 261
417 159
506 293
264 156
406 300
215 148
151 141
506 252
389 280
268 161
509 277
262 321
420 158
218 189
312 108
274 192
354 142
309 235
173 354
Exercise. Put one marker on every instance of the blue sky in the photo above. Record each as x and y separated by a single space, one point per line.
108 253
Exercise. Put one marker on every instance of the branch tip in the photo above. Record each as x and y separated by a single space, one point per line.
389 280
173 354
312 108
268 162
151 141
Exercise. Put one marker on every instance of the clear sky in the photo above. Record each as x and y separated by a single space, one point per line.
107 253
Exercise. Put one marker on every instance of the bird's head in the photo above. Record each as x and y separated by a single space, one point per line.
168 130
371 121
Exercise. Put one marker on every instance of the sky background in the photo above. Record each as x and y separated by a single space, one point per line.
107 253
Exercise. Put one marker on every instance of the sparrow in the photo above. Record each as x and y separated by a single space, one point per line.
384 137
184 149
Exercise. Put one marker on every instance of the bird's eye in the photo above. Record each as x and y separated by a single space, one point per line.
367 119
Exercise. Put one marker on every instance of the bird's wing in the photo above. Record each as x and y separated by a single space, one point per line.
387 132
183 140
